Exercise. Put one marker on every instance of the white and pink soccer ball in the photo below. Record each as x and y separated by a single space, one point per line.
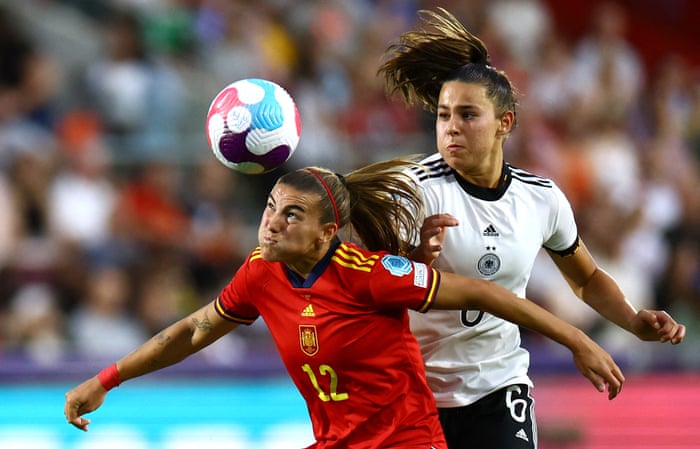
253 126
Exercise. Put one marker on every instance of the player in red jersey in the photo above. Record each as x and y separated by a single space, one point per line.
338 311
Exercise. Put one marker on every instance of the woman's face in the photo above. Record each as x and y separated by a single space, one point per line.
469 135
291 230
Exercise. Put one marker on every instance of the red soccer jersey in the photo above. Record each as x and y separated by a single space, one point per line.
344 337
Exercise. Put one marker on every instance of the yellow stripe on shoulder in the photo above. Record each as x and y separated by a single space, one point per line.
256 254
349 249
344 263
353 256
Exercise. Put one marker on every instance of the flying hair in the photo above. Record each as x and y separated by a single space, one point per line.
420 60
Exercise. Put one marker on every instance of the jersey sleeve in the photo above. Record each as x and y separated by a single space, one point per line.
564 233
398 282
235 302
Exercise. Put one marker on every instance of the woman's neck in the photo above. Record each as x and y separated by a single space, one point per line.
488 174
304 265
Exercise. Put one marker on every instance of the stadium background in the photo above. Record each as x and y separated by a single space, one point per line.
116 220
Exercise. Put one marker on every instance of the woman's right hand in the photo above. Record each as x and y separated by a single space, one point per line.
598 366
432 234
85 398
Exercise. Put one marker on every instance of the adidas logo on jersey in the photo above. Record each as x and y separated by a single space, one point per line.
490 231
308 311
521 434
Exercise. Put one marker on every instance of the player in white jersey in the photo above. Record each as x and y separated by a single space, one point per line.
499 217
502 231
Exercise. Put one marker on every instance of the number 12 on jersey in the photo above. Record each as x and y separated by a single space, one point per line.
325 370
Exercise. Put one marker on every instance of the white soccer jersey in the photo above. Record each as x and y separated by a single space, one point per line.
469 354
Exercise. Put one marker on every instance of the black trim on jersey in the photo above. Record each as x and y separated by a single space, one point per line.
485 193
508 174
570 251
434 169
529 178
228 316
299 282
438 168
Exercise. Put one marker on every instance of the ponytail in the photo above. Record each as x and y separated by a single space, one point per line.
442 49
380 201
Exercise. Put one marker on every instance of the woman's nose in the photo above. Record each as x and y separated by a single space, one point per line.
274 222
452 127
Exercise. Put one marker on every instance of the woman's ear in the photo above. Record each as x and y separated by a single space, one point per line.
329 231
506 123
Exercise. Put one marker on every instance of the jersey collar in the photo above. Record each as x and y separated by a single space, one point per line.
299 282
485 193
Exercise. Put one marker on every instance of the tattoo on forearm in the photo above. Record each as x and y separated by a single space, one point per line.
162 339
170 351
204 325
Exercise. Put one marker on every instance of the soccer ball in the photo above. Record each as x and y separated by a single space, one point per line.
253 126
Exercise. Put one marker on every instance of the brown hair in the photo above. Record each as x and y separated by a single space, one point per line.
380 201
441 50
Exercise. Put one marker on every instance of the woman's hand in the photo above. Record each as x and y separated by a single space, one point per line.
432 234
656 325
85 398
598 366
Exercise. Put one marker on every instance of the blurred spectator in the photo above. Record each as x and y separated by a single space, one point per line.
322 86
679 287
219 238
667 124
104 325
164 295
522 25
139 99
35 254
247 41
82 196
151 213
550 89
28 76
373 124
607 71
614 160
167 28
34 325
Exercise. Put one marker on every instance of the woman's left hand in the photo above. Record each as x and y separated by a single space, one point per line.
657 325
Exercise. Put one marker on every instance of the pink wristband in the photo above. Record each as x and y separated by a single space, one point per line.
109 377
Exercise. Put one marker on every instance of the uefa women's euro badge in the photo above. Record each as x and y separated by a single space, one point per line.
397 265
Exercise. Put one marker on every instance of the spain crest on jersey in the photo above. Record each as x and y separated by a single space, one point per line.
308 339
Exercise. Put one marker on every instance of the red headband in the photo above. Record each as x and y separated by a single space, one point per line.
330 195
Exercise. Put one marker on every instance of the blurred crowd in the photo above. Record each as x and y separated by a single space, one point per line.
116 220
